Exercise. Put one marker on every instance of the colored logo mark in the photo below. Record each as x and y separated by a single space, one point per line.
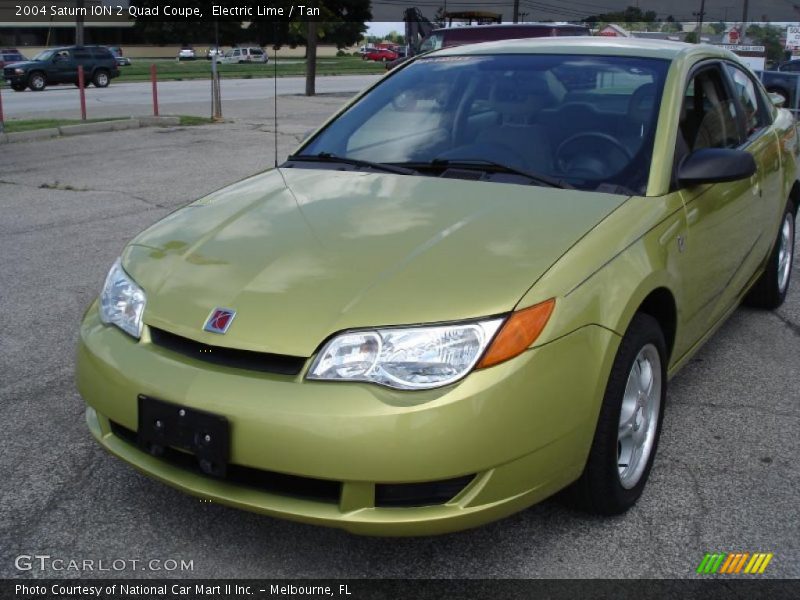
734 563
219 320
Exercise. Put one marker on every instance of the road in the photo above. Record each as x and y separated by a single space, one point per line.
240 97
726 478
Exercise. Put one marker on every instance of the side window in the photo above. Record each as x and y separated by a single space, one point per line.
709 117
81 55
744 88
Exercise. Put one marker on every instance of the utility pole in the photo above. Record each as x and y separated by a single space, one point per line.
744 20
516 11
700 16
79 23
311 57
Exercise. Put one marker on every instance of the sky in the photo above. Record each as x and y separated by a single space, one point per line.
391 11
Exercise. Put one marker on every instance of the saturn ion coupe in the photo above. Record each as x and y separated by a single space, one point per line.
464 293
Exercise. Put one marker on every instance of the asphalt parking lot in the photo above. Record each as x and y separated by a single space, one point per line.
727 477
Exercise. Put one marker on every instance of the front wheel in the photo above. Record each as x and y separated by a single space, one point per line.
37 82
629 424
770 290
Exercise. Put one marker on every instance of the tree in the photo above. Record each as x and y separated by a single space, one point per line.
632 14
719 27
768 36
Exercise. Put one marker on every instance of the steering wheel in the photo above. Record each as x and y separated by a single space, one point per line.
591 155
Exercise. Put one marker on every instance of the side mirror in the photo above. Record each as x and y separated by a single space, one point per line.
716 165
777 99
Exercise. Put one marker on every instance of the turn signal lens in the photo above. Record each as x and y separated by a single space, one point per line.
518 333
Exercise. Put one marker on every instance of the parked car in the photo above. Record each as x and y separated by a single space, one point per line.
186 54
60 65
10 55
458 36
380 54
462 294
784 82
122 61
214 51
245 55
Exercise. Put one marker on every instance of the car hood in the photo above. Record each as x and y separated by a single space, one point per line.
23 64
302 253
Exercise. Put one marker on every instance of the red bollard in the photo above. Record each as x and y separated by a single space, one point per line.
154 79
81 87
2 121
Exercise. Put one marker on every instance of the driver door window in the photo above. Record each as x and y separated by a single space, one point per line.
709 118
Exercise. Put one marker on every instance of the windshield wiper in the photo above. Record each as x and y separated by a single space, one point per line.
329 157
490 165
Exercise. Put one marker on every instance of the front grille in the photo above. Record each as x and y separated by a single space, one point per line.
280 364
8 73
428 493
293 486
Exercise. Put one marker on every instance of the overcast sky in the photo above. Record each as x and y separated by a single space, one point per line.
563 10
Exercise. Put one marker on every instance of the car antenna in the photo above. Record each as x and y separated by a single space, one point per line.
275 83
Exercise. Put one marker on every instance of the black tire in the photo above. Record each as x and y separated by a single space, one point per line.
37 81
101 78
770 290
600 490
18 87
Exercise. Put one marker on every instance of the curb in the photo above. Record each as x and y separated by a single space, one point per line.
85 128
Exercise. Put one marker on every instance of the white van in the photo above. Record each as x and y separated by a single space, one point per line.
245 55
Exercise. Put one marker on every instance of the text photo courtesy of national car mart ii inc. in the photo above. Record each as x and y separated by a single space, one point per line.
181 590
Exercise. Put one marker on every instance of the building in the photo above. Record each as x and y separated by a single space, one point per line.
52 23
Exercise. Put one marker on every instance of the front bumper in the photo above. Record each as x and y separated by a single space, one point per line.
523 428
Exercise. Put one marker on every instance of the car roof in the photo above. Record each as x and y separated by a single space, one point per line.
508 26
600 46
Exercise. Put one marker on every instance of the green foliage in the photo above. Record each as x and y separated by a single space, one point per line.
632 14
768 36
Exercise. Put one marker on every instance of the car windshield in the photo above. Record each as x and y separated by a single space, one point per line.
588 121
44 55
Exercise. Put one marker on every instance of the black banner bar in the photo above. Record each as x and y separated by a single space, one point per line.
393 589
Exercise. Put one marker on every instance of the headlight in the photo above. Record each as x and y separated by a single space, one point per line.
122 301
19 71
409 358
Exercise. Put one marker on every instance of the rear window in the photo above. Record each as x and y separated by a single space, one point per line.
101 53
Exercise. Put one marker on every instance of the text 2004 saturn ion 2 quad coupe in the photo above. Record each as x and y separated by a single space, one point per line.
464 293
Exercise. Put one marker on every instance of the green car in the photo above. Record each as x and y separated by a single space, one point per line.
464 293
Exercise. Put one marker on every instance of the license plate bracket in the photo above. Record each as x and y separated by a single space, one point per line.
164 425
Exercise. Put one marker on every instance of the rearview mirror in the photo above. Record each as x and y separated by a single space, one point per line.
716 165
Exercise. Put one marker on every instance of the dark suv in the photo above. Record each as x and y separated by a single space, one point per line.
60 65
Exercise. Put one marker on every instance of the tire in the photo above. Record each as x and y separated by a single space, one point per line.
37 81
18 87
770 290
101 78
614 478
